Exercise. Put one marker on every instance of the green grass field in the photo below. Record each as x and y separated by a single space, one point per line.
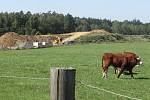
36 63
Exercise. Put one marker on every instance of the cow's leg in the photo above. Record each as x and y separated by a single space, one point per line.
122 67
121 71
105 70
105 65
130 71
115 70
104 75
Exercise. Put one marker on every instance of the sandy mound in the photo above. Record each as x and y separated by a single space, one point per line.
10 39
100 31
76 35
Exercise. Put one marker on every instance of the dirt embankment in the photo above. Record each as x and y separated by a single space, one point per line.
76 35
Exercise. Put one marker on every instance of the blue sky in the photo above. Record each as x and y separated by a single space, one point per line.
109 9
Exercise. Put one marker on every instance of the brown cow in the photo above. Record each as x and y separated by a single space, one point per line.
123 61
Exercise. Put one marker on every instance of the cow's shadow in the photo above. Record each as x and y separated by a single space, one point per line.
142 78
127 73
137 78
135 73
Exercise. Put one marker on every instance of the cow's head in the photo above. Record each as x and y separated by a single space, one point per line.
138 61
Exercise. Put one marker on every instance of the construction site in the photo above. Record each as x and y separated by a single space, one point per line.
12 40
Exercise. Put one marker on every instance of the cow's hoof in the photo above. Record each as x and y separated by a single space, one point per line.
117 77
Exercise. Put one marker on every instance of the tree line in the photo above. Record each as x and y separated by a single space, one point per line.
55 23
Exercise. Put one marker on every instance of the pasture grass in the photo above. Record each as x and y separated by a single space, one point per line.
36 63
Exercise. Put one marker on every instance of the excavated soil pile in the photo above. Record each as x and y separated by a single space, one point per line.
10 39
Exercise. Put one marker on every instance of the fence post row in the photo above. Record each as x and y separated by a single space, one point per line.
62 83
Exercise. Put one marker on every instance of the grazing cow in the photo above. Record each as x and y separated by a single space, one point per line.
127 55
122 61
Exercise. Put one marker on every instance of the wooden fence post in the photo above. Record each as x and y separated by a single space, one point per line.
63 83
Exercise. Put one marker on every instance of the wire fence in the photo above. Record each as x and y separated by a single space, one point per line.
31 78
78 82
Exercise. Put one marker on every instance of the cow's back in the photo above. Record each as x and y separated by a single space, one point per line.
113 59
118 60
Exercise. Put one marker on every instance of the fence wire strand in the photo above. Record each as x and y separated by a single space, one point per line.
111 92
31 78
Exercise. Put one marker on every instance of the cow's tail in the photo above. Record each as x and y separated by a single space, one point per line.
102 65
103 68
